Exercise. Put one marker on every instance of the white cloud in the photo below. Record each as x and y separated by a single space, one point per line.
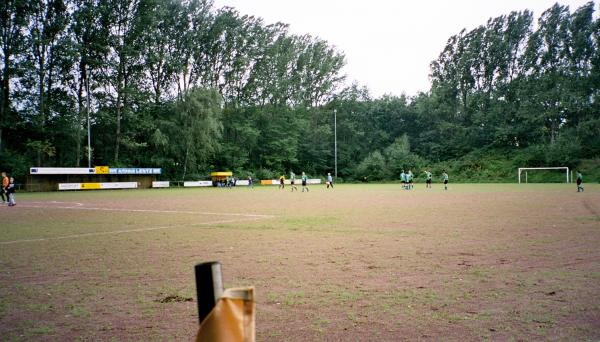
388 44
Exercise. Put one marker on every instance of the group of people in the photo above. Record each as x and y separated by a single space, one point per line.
304 178
7 193
407 179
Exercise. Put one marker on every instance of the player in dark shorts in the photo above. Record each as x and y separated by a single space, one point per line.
445 178
428 179
304 179
293 181
281 182
403 179
579 181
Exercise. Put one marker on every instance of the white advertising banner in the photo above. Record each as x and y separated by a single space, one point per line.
242 182
197 183
163 184
119 185
69 186
62 171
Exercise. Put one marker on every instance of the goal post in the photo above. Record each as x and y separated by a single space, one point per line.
565 168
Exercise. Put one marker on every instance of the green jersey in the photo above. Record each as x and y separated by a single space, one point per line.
428 175
292 176
403 176
304 178
579 176
409 176
445 176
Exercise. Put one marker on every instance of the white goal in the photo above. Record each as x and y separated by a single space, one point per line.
566 169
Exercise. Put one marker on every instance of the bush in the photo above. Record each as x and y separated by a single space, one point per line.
373 167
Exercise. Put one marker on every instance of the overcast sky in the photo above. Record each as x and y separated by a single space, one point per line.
388 43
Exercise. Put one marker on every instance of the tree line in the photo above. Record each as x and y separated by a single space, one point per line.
192 88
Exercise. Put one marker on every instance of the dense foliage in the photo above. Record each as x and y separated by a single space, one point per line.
190 88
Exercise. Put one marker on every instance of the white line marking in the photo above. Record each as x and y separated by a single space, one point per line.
73 236
147 211
57 202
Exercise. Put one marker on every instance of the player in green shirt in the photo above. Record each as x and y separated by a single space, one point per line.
304 179
427 179
445 179
293 180
579 181
403 179
409 179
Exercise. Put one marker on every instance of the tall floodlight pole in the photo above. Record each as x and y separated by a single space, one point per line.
335 139
87 91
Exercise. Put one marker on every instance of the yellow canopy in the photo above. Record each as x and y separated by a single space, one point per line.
221 174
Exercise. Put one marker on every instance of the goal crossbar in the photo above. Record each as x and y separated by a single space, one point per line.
545 168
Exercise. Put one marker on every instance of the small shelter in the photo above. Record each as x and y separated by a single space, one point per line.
220 177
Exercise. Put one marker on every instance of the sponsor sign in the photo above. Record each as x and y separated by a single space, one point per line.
134 171
242 182
69 186
90 186
61 171
101 170
98 170
164 184
197 183
97 186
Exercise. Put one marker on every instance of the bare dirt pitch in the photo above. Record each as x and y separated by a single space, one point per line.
359 263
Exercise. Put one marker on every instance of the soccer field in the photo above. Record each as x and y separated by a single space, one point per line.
357 263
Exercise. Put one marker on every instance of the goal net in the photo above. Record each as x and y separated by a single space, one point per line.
523 172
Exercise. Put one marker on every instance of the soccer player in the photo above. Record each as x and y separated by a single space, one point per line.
329 180
409 179
403 179
293 180
427 179
445 179
281 182
579 181
4 188
10 191
304 179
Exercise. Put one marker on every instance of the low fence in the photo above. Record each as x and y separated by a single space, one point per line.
166 184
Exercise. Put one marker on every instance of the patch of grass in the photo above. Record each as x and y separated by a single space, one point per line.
294 298
39 307
447 316
347 296
480 273
311 223
79 311
272 297
319 324
39 330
